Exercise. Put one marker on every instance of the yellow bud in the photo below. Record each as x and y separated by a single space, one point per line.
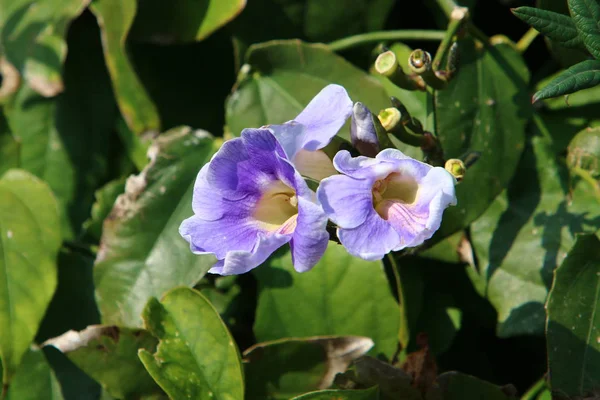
456 167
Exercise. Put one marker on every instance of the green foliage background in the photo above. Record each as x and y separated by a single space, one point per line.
109 108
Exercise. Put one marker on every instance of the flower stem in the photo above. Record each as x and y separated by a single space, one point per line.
378 36
526 40
447 6
404 332
457 20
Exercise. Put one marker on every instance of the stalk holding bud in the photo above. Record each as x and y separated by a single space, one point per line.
420 63
387 65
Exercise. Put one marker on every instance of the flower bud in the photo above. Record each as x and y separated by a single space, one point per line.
420 63
387 65
456 167
362 131
391 120
584 151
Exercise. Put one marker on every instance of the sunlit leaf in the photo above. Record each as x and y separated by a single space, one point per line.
526 233
34 379
115 18
29 242
182 20
33 39
285 75
485 108
65 140
141 252
331 299
196 357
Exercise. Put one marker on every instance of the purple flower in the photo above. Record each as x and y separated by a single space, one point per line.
385 203
304 136
248 201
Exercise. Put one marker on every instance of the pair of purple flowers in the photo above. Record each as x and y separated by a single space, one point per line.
252 197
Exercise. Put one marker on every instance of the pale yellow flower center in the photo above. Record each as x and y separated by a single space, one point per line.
395 188
277 209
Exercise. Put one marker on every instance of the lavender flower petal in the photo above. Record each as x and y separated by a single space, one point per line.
389 192
248 201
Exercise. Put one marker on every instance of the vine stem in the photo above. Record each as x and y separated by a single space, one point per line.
404 332
447 6
526 40
378 36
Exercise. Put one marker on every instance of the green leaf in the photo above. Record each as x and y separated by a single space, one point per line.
565 56
459 386
115 18
142 254
29 242
73 305
285 368
331 299
65 140
485 108
9 147
586 15
109 355
556 26
580 76
573 329
196 357
34 379
182 20
285 75
33 39
105 200
525 234
332 394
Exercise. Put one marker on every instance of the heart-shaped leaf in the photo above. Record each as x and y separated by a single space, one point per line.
29 241
196 357
285 75
330 299
525 234
574 321
141 252
485 108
